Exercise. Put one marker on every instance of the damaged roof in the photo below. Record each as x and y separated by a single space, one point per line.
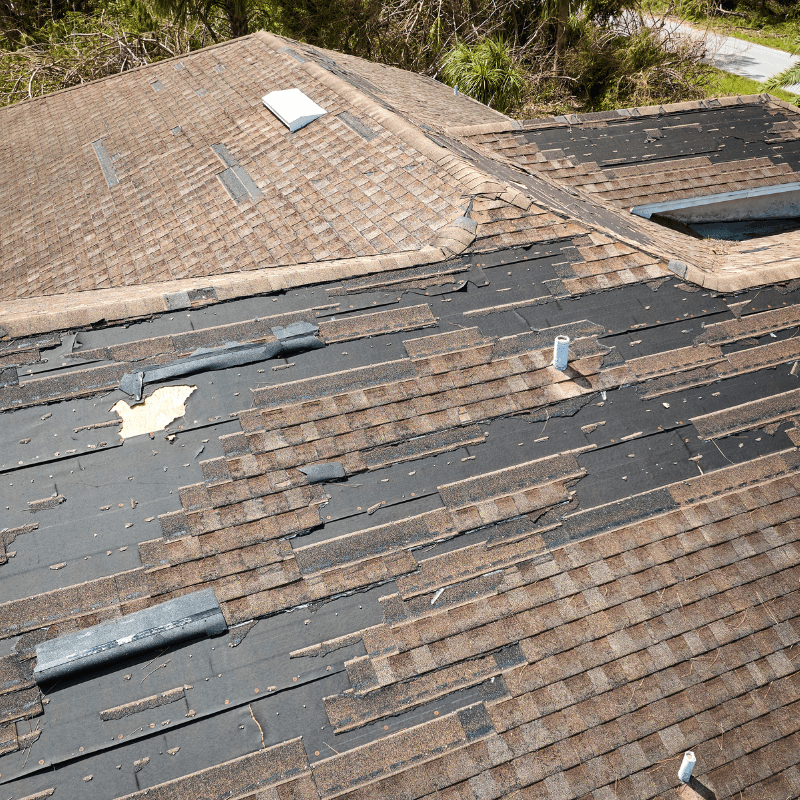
360 538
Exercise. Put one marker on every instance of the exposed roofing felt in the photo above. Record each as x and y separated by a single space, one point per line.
621 159
446 569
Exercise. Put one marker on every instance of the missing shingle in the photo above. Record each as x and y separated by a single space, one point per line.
359 127
179 66
176 130
157 85
105 163
219 67
235 179
200 92
234 186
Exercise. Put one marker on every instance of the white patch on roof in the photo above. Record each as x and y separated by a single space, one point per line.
293 108
155 413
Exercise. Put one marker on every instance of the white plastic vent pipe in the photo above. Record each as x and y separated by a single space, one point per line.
561 353
687 765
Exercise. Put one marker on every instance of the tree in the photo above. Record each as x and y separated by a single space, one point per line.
80 48
350 26
237 13
790 76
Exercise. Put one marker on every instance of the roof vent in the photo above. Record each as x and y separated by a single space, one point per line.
561 352
293 108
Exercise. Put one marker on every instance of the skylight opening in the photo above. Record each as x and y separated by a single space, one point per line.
733 216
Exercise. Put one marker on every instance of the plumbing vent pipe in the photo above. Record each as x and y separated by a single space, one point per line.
687 765
561 352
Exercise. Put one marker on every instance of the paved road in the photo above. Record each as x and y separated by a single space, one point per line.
740 57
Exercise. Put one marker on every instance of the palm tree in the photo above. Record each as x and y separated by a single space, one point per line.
486 71
789 77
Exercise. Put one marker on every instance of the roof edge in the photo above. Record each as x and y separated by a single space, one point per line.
623 114
98 306
736 281
617 115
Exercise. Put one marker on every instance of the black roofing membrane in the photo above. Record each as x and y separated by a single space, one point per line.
724 134
216 673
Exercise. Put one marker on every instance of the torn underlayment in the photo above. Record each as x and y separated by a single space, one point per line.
294 338
193 614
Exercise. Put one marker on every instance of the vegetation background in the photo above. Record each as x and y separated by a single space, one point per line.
523 57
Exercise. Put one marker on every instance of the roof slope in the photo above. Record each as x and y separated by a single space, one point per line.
618 159
530 582
447 569
152 204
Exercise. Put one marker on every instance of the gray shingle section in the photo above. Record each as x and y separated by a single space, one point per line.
289 52
357 125
157 85
105 162
224 155
476 721
319 473
191 615
234 186
235 179
620 514
248 183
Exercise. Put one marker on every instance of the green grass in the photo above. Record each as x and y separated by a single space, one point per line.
770 31
781 35
777 42
727 84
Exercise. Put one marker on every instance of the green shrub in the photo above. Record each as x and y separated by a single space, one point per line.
486 71
613 71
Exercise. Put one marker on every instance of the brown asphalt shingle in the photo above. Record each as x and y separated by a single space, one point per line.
594 644
327 193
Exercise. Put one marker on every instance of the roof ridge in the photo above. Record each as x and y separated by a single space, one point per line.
26 316
637 112
475 180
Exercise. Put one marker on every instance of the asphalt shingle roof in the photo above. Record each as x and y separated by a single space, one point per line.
526 583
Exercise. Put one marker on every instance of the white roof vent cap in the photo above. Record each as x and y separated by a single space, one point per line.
293 108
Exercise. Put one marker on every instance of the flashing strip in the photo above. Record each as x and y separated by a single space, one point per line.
647 211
